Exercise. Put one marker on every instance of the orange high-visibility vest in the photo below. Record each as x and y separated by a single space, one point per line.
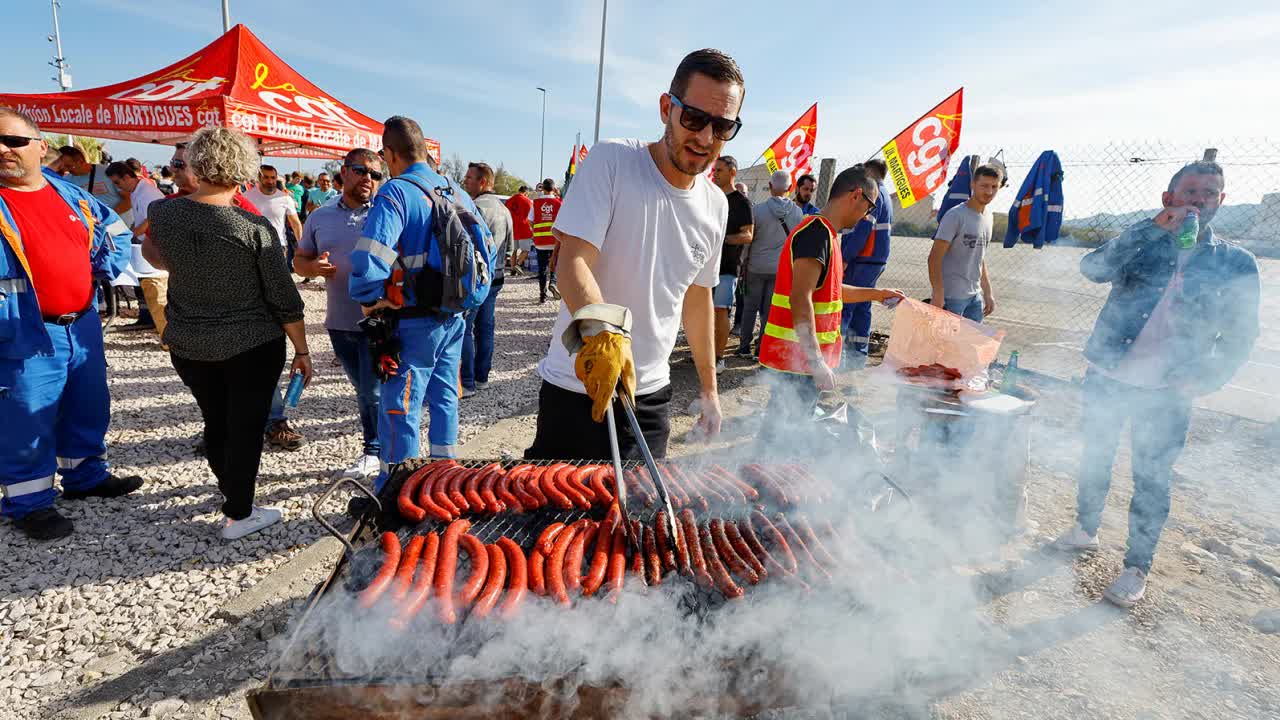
779 349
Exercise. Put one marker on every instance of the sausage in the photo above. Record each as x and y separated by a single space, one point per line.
751 493
733 562
744 551
390 562
727 490
488 494
554 569
644 488
408 563
471 489
594 578
537 572
502 489
421 591
683 563
479 569
697 560
795 491
517 576
563 481
800 548
516 478
579 481
675 489
601 478
819 551
446 567
547 537
617 562
454 488
652 565
439 485
547 482
637 553
493 585
529 484
719 575
409 510
774 536
753 541
573 556
701 494
756 475
662 536
426 497
770 562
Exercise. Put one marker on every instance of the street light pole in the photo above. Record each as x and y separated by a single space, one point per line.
226 15
60 62
604 16
542 153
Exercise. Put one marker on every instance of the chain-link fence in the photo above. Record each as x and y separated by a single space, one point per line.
1047 307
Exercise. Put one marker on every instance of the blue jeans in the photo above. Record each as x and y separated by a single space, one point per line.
54 410
722 295
477 341
352 349
969 307
277 403
1159 420
759 299
430 353
855 319
544 270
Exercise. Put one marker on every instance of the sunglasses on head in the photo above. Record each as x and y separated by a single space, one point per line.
16 141
363 171
694 119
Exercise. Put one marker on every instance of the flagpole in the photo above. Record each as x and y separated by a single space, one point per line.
913 122
604 15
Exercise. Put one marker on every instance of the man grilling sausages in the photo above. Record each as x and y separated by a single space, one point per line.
640 240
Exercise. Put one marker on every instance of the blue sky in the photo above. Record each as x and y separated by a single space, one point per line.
1035 75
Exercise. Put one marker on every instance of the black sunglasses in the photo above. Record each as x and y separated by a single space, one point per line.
363 171
16 141
694 119
177 164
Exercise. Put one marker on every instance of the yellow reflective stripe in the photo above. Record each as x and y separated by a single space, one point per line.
827 308
88 218
788 334
544 224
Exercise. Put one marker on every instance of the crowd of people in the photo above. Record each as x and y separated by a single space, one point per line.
642 246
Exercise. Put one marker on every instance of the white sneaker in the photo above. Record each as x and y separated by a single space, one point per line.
720 366
1076 540
259 519
367 466
1128 589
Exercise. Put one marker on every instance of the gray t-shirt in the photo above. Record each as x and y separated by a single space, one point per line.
969 233
498 218
335 228
770 234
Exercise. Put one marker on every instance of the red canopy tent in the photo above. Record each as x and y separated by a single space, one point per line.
235 81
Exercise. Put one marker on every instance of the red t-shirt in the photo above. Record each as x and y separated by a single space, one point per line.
56 244
240 200
545 210
520 207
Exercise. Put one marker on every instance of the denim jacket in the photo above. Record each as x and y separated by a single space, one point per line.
1216 317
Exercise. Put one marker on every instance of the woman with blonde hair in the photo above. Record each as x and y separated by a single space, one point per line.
231 304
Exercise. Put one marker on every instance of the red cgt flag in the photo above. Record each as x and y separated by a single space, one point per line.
793 149
917 157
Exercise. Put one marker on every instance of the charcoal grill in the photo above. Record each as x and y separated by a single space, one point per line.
307 684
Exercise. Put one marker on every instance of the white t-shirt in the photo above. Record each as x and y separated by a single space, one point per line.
274 208
142 196
655 241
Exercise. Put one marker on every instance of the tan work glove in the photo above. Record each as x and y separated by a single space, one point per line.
601 336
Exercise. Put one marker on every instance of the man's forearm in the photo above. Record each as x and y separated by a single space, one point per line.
577 284
935 276
304 265
985 281
698 316
806 334
738 239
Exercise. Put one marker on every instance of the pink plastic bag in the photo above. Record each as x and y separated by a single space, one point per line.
923 335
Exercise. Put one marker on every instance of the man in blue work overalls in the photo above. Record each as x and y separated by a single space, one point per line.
54 403
398 238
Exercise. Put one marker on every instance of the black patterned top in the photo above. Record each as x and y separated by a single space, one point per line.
229 288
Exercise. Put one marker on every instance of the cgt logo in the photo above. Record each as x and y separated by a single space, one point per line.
299 105
175 85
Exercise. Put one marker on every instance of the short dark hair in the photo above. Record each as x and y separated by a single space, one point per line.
136 166
1199 167
179 146
24 117
547 185
361 155
72 151
165 172
265 168
729 160
523 188
404 136
486 172
322 175
877 168
806 178
712 63
986 171
852 178
121 169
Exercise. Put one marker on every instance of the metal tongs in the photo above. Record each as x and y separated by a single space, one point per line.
619 479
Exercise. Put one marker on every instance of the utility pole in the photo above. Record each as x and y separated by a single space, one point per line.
59 62
542 153
604 16
226 15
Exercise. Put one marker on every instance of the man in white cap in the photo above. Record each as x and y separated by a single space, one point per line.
774 219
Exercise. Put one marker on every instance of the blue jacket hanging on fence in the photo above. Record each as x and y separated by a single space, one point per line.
959 188
1036 214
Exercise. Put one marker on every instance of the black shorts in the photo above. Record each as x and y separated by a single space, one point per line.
567 432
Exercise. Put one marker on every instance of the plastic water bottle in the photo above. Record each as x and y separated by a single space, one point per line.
1190 229
295 390
1011 373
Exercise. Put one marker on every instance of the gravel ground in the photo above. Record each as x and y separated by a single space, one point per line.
137 595
143 575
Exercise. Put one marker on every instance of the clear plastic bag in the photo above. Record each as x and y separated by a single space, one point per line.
923 335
